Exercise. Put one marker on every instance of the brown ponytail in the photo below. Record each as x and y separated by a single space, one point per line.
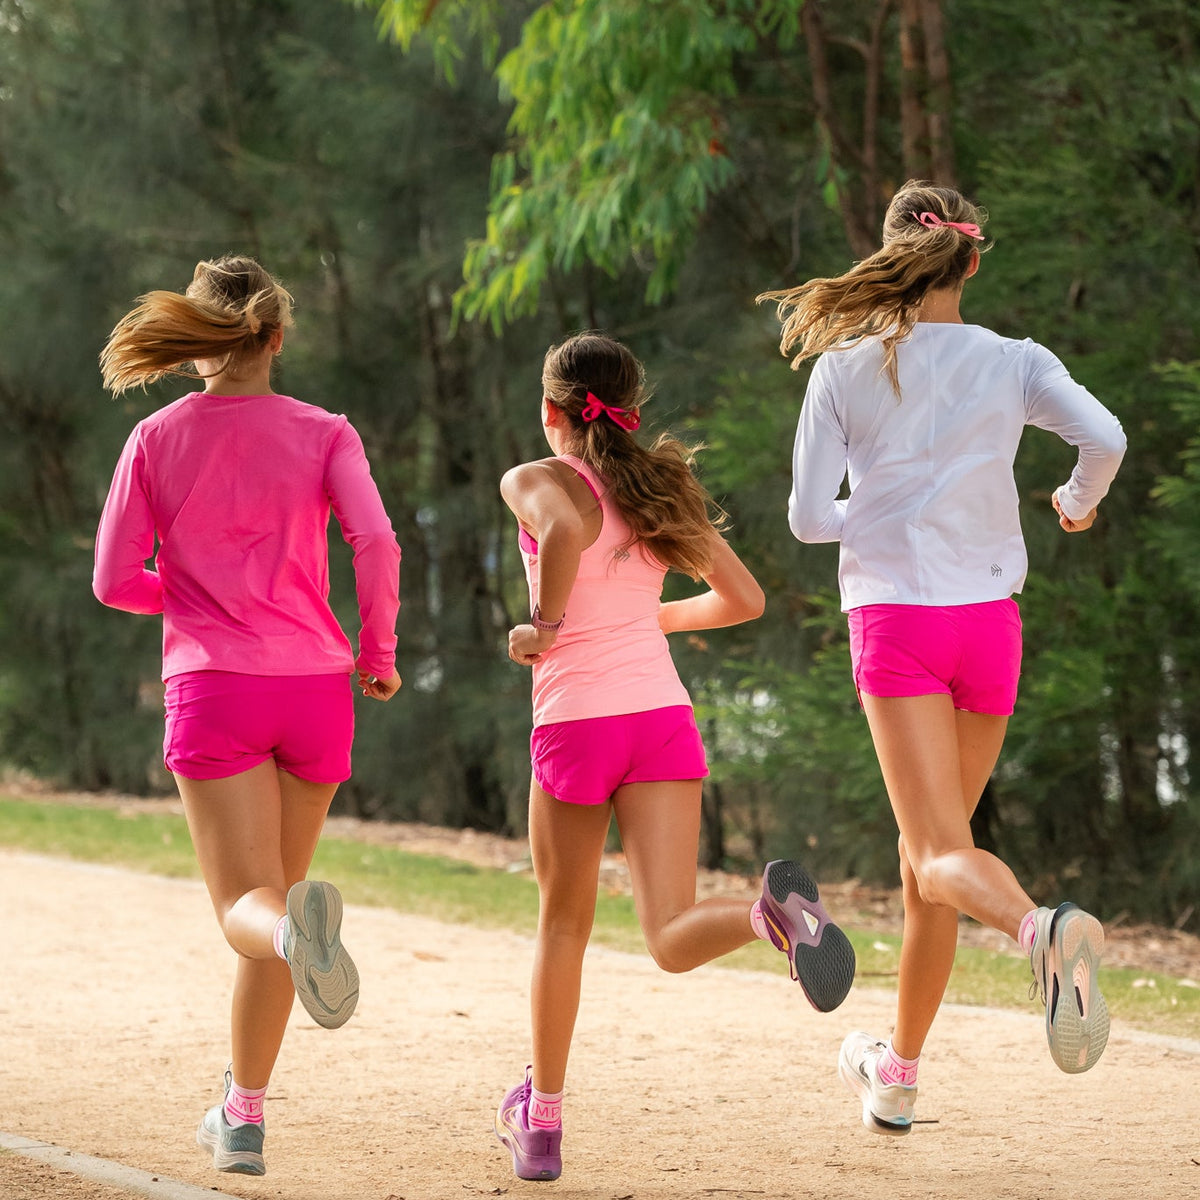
883 294
653 488
230 310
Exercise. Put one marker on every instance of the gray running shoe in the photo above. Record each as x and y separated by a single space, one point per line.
326 978
1067 944
235 1148
886 1107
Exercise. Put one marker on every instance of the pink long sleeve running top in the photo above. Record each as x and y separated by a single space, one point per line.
237 491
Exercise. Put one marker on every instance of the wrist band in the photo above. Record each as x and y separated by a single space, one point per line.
551 626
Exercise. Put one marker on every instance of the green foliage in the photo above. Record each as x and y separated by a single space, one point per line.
646 168
617 126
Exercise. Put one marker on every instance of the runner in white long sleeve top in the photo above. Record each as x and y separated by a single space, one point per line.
922 414
932 515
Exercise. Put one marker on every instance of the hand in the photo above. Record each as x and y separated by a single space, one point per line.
526 644
379 689
1066 522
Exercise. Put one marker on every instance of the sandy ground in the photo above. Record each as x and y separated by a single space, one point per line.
718 1083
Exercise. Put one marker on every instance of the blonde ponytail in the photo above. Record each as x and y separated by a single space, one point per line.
230 310
930 236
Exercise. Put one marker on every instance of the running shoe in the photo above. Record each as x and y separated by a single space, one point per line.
1067 944
886 1107
234 1148
820 956
326 978
536 1153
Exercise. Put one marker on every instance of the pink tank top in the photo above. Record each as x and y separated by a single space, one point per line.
610 657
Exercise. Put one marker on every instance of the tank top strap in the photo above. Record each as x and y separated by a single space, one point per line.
595 485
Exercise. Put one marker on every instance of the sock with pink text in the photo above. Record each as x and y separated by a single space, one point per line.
244 1106
758 922
545 1109
894 1069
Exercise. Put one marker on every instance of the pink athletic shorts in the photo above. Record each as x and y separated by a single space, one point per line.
220 723
970 652
585 762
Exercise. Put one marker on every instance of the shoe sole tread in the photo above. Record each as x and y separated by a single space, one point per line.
323 972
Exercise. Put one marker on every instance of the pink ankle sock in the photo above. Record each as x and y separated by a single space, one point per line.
1026 931
277 937
894 1069
758 922
244 1106
545 1109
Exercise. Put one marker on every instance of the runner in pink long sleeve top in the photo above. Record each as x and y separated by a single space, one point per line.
238 490
229 491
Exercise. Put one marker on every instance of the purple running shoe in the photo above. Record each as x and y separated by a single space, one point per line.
536 1153
820 956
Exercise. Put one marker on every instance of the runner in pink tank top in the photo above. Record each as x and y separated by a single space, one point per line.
600 524
612 657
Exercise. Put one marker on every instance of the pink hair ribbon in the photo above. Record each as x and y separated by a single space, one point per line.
932 221
619 416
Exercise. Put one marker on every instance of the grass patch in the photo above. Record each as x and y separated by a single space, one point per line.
449 890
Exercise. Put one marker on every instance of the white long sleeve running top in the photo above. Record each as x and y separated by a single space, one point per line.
932 513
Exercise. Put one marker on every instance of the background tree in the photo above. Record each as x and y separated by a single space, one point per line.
448 187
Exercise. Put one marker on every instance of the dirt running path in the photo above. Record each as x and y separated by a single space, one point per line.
714 1084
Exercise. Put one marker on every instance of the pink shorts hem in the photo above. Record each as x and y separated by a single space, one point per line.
970 652
587 761
221 723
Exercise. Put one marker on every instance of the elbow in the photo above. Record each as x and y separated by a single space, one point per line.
805 529
755 603
805 524
105 589
378 543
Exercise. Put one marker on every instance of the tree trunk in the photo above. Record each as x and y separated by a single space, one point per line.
914 131
938 98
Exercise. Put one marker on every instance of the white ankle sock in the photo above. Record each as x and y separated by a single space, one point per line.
277 937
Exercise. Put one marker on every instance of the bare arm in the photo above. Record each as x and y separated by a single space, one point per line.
543 508
733 596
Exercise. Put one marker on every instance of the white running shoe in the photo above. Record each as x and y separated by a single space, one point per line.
1067 944
887 1107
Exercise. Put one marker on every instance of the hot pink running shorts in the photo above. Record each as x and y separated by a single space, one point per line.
220 723
585 762
970 652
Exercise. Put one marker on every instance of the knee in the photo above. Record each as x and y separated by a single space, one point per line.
665 955
924 879
565 923
910 882
919 875
665 961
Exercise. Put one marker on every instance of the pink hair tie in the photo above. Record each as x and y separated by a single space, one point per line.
932 221
619 416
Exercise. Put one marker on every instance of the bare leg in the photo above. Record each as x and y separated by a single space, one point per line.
254 835
567 842
935 763
660 833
